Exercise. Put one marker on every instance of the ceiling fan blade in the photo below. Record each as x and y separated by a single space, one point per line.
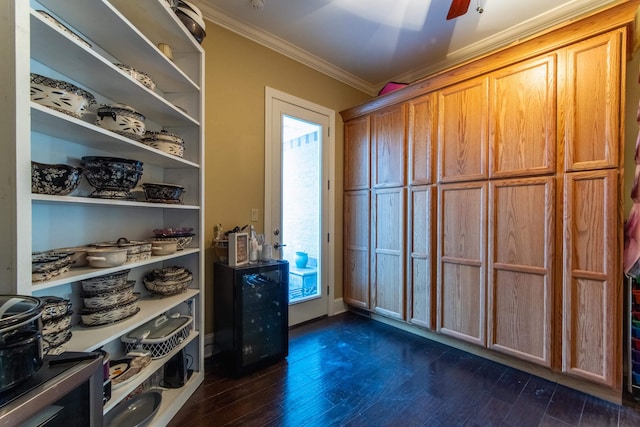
458 8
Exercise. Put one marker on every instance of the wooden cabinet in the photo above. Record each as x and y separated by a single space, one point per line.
357 149
420 257
126 32
526 244
422 135
461 276
522 127
462 131
356 259
388 252
592 292
520 274
388 141
589 97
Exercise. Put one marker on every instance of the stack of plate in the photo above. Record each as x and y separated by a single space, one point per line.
168 281
56 324
108 299
47 265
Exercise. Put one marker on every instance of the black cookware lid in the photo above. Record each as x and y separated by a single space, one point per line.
18 308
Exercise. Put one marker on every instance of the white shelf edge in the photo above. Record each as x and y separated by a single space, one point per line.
108 202
93 337
83 273
122 392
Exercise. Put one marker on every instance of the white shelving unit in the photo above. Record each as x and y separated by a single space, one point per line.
119 31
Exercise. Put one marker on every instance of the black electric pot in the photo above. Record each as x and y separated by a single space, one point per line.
20 339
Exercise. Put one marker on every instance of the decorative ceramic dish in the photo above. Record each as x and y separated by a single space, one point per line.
56 339
121 119
166 247
64 28
48 275
173 232
168 282
57 324
164 141
109 298
106 257
109 315
54 179
105 282
42 262
181 241
163 193
138 76
78 255
132 246
123 371
54 307
60 95
191 25
112 177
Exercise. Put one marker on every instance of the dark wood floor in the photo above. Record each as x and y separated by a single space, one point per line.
351 371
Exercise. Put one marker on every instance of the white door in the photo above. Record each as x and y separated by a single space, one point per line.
298 199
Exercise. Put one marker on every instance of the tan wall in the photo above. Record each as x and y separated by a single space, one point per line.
237 71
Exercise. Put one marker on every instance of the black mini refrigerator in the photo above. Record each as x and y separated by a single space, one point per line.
251 315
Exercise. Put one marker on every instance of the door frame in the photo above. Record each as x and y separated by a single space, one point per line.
329 148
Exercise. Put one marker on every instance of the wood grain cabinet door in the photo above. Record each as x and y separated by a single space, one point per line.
592 286
422 134
462 131
389 143
420 253
388 247
522 126
590 99
357 149
356 248
461 271
520 252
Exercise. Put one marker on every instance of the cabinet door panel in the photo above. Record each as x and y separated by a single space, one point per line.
356 248
357 153
462 131
422 124
389 147
523 119
521 230
591 286
592 103
388 244
461 278
420 283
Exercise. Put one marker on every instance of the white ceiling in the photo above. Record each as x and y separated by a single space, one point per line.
367 43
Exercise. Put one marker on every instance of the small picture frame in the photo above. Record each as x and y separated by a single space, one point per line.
238 249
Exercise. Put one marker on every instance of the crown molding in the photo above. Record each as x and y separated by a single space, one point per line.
211 13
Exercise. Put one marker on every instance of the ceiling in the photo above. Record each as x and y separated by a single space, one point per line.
367 43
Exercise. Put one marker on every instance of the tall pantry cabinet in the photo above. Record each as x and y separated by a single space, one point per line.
118 31
513 220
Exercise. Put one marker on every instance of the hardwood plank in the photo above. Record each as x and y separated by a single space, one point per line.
348 370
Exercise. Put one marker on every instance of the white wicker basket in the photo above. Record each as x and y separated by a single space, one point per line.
159 347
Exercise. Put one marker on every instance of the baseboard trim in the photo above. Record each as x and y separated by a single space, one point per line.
337 306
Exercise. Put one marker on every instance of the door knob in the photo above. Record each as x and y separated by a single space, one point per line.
277 246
